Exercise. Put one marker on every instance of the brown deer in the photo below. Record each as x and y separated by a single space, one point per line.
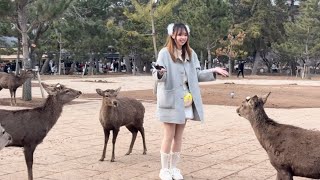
292 151
12 82
28 127
116 112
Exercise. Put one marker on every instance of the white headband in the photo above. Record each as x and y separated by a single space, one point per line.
170 29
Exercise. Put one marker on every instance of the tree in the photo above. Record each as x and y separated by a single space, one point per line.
209 20
136 39
262 22
32 15
230 46
302 37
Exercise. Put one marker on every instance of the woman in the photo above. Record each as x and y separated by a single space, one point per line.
178 94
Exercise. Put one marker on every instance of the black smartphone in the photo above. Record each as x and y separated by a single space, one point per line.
158 67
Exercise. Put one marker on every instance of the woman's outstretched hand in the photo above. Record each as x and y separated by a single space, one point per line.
220 70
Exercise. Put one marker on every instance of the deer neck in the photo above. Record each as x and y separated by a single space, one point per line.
106 110
52 109
263 126
21 80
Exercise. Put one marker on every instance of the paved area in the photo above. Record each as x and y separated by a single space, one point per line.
224 147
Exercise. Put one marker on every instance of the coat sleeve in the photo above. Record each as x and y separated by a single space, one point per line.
160 61
203 75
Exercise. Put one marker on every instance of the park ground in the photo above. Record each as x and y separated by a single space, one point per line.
284 95
223 147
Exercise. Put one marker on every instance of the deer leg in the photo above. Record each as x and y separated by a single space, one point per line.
28 154
14 96
114 138
11 95
141 129
106 138
284 175
134 132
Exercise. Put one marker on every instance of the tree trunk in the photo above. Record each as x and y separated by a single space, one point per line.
22 19
255 63
91 64
18 56
45 66
72 68
229 64
128 65
209 57
138 63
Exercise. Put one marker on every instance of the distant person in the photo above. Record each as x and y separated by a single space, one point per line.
7 68
116 66
241 67
274 68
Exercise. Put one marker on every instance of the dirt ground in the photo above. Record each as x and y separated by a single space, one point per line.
282 96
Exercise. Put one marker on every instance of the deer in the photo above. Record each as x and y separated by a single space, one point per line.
28 127
120 111
12 82
292 151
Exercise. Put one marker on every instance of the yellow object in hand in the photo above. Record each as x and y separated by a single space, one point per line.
187 99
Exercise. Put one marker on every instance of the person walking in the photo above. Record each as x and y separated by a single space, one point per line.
178 94
240 67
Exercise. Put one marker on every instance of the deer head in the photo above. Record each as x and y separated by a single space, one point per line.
251 104
25 74
61 92
109 96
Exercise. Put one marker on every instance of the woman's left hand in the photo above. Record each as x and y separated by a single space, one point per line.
220 70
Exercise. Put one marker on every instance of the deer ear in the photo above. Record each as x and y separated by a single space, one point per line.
58 87
49 88
118 90
253 100
265 97
100 92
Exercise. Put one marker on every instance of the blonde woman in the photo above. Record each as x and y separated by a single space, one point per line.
178 94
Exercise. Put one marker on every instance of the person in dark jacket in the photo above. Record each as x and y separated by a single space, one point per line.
241 67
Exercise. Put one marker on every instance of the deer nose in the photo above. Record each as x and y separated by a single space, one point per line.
79 92
115 103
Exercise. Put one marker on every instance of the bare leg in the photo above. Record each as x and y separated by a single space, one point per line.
106 138
168 135
177 141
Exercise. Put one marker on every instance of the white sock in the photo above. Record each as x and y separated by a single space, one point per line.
175 158
165 159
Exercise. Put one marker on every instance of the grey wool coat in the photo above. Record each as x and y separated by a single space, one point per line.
169 88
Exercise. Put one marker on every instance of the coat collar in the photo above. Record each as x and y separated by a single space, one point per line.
178 55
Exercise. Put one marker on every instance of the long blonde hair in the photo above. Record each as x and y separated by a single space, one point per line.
171 44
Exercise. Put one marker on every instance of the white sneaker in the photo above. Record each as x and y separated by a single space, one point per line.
176 174
165 174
